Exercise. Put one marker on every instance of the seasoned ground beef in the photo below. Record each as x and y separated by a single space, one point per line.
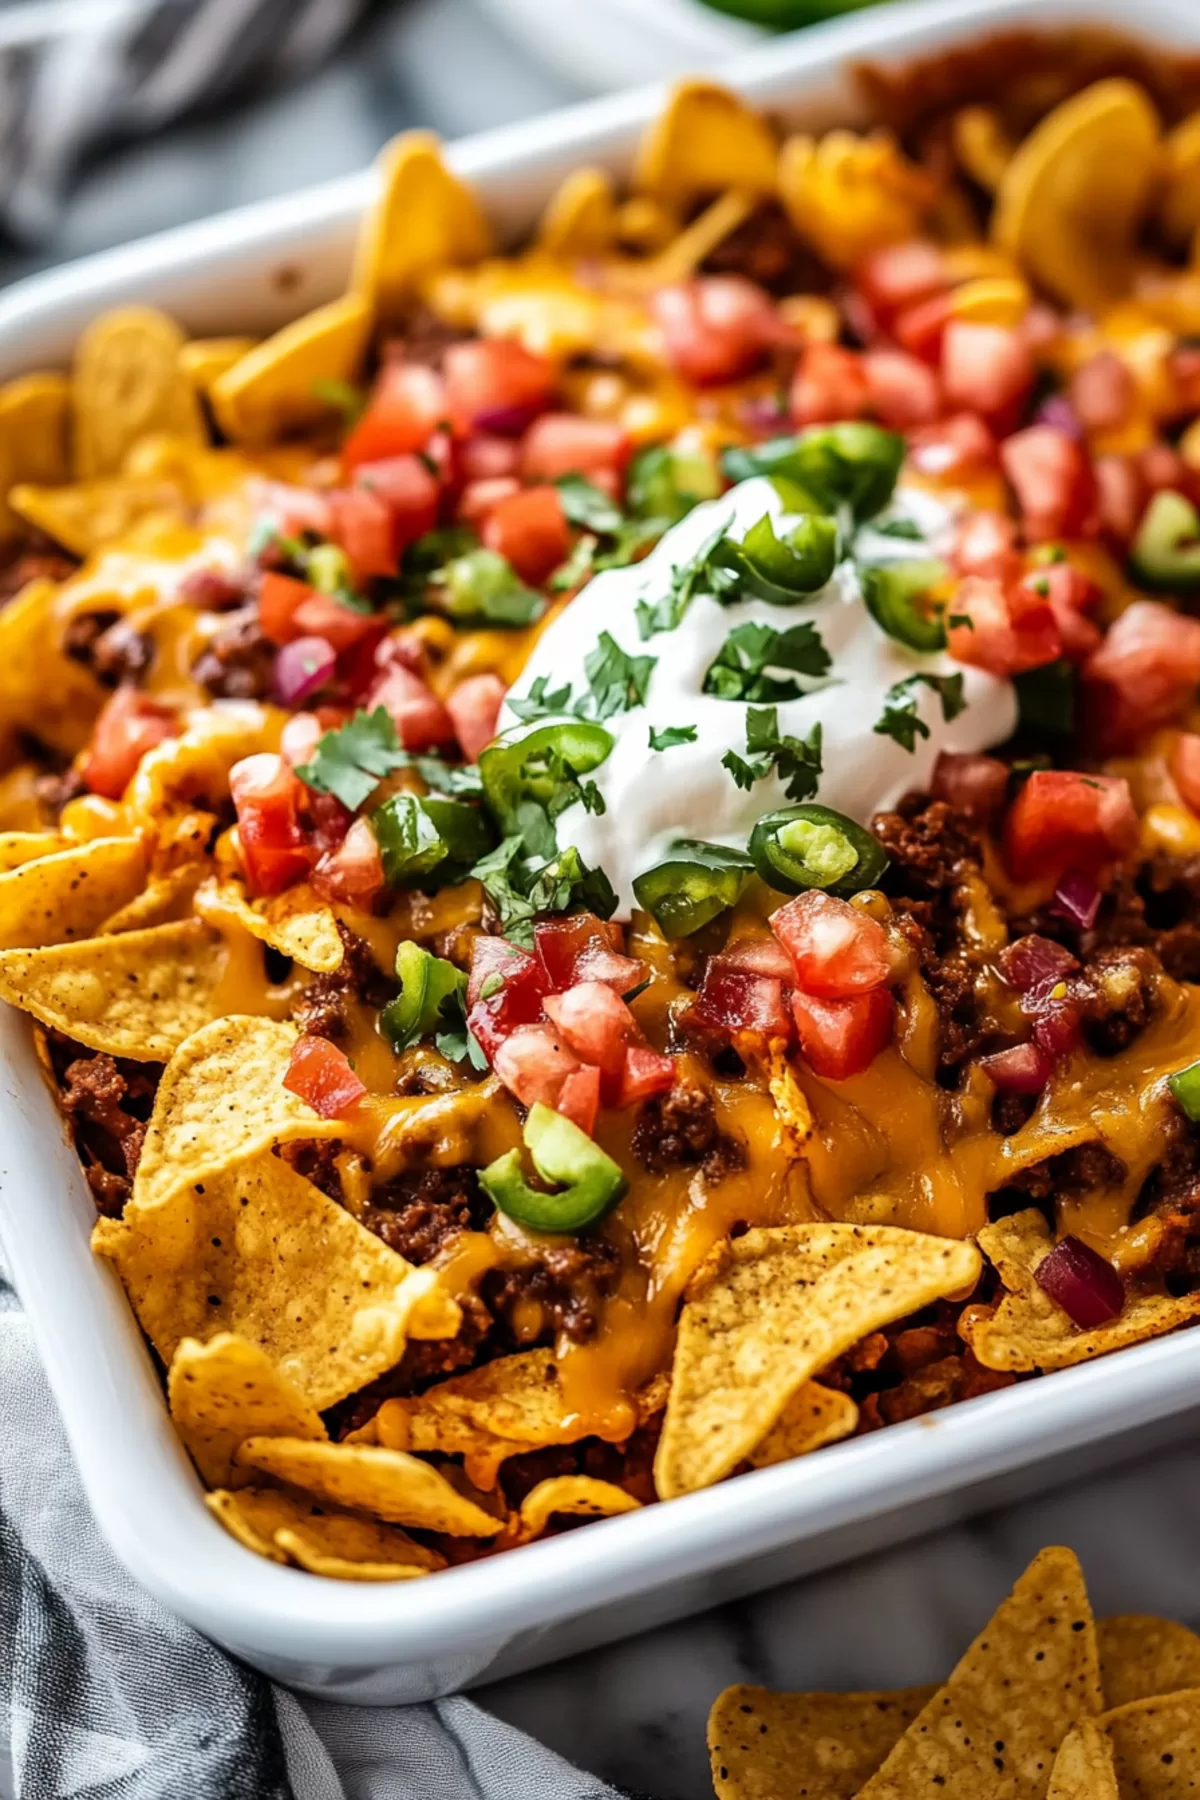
930 846
107 644
108 1103
417 1214
54 791
629 1465
31 558
425 1361
1073 1173
768 249
916 1366
323 1009
421 337
679 1129
567 1282
316 1160
1117 992
239 662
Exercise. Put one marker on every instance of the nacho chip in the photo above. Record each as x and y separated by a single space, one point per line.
768 1746
785 1302
259 1251
1029 1331
1083 1768
225 1391
204 359
704 141
87 515
1156 1745
126 382
41 690
581 217
297 923
791 1102
288 1528
275 388
165 900
221 1101
33 436
812 1418
579 1494
1141 1657
850 195
995 1726
385 1483
20 847
425 219
1179 199
139 994
67 895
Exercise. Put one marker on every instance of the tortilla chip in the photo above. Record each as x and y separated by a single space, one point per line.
139 994
385 1483
791 1102
41 690
221 1101
297 923
126 383
225 1391
581 218
783 1304
165 900
1028 1330
275 388
67 895
425 219
767 1746
812 1418
850 194
288 1528
20 847
33 436
87 515
579 1494
1156 1746
259 1251
1141 1657
705 140
204 359
995 1727
1083 1768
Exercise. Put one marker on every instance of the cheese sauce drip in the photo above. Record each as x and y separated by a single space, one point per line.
652 797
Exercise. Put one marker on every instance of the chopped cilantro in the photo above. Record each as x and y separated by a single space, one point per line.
521 886
687 580
349 763
588 506
671 735
795 761
741 669
617 682
900 719
541 701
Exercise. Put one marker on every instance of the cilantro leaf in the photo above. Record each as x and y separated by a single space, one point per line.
349 763
741 670
672 735
795 761
900 719
617 681
588 506
579 565
687 580
521 886
541 701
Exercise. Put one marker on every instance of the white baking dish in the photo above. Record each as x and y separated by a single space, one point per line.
252 270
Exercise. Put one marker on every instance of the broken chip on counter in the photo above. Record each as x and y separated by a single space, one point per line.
1046 1704
601 832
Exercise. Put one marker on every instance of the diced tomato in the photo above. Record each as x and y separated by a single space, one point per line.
1144 673
579 1098
325 616
646 1072
596 1023
582 948
1025 1069
363 526
533 1063
474 707
293 511
952 448
496 385
920 329
480 498
902 274
902 391
841 1038
279 599
353 872
421 721
517 1000
1053 481
486 457
129 725
407 401
1067 591
566 444
1006 634
1184 765
266 797
1184 366
974 784
1102 391
759 955
830 383
733 999
1121 496
530 529
986 369
1162 467
410 491
717 327
320 1075
836 949
986 544
1061 820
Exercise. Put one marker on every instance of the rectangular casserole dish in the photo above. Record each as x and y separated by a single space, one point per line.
251 271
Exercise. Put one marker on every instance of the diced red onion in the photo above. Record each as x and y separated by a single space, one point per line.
507 421
1077 898
1035 964
1025 1069
1057 411
214 590
763 412
302 667
975 784
1088 1289
1057 1028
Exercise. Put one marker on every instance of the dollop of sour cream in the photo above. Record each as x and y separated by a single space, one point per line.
652 796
